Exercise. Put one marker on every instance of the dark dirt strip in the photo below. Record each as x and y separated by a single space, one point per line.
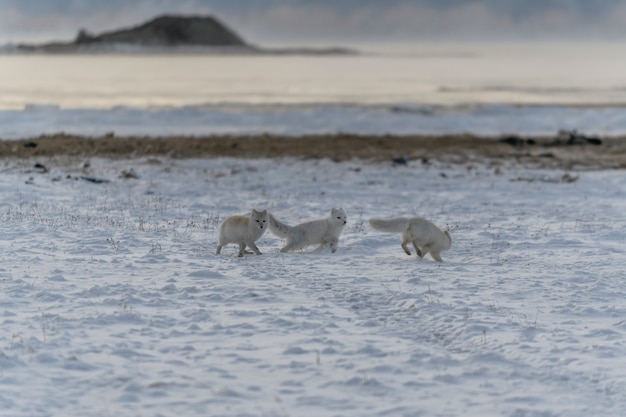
542 152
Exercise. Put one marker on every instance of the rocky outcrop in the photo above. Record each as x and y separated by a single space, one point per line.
169 34
170 31
162 32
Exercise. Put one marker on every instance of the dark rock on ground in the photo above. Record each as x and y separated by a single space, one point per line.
566 137
94 180
517 141
400 160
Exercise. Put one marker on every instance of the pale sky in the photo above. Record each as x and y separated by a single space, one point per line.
260 21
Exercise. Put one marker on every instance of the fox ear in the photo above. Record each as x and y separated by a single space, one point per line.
264 211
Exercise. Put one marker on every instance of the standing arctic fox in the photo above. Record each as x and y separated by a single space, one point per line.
243 230
425 236
322 232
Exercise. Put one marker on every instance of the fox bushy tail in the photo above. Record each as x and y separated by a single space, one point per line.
278 228
396 225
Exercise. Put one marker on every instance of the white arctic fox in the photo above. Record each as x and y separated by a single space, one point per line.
322 232
425 236
243 230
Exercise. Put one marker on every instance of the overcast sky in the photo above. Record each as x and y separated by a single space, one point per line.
272 21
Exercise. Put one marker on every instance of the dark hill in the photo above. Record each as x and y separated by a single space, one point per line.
170 31
161 32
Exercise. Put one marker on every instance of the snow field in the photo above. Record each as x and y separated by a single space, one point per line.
113 302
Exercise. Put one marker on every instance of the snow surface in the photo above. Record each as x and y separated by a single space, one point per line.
299 119
114 304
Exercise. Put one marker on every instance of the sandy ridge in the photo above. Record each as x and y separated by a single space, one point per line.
542 152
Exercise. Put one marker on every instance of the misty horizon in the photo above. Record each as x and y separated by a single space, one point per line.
301 21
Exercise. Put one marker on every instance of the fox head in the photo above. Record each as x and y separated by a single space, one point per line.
337 215
259 218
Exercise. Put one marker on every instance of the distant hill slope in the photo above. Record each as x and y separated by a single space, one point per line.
171 31
169 34
162 31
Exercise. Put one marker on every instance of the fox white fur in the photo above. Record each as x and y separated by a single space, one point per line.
243 230
425 236
322 232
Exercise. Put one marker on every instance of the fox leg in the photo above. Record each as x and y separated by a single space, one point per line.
219 249
330 242
436 256
418 251
242 247
318 249
253 246
333 245
290 246
404 246
425 250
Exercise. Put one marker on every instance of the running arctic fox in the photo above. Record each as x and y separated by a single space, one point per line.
243 230
320 232
425 236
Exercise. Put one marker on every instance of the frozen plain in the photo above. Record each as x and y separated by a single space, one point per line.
306 119
114 304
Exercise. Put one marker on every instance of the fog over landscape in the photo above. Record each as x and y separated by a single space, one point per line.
326 20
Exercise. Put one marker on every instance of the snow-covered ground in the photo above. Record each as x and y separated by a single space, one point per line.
114 303
300 119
